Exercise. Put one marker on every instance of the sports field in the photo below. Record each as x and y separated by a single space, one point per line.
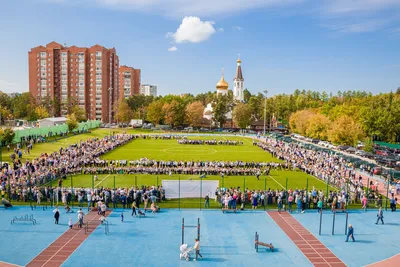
171 150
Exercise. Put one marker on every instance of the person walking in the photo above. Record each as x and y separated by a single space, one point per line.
350 233
380 216
56 215
80 218
197 248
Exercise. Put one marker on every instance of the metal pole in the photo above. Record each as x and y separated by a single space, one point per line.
265 195
179 194
157 181
135 181
201 192
114 182
387 193
333 223
72 192
265 108
183 231
306 194
320 221
345 226
244 183
92 182
198 229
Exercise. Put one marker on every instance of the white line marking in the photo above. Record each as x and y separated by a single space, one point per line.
10 263
95 217
276 181
306 240
371 264
102 180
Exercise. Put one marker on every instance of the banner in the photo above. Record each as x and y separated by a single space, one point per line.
189 188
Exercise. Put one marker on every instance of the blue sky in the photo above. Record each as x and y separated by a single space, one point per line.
320 45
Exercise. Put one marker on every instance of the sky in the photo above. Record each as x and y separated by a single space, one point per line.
182 45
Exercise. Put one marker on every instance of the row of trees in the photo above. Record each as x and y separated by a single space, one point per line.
346 120
343 118
25 107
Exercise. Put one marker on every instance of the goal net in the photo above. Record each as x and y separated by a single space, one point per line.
189 189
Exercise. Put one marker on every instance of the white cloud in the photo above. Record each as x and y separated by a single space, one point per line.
220 29
237 28
172 49
357 6
360 27
193 30
180 8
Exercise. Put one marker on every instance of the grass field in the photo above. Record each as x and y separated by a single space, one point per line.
171 150
277 180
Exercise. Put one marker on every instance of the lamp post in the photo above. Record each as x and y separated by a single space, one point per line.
265 108
109 107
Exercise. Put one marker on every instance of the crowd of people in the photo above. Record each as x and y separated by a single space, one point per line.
186 141
17 176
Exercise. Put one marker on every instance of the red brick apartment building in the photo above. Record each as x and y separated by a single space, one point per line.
129 81
89 76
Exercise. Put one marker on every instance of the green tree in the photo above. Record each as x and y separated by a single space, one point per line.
242 115
7 135
345 131
246 96
194 113
174 113
220 107
41 112
318 126
72 122
124 112
155 112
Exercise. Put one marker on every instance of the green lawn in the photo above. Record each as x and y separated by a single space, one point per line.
277 180
171 150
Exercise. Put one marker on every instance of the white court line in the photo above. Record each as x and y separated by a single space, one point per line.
276 181
66 243
10 264
371 264
102 180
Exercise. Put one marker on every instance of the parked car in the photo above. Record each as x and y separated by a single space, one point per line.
343 148
351 150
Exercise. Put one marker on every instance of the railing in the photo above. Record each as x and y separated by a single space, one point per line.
86 228
106 228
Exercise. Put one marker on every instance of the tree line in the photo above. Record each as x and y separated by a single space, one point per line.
343 118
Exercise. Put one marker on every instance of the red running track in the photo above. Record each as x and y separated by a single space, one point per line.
63 247
312 248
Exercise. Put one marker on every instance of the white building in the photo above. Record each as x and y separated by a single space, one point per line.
147 89
238 82
52 121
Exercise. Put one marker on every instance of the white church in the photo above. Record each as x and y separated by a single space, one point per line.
222 88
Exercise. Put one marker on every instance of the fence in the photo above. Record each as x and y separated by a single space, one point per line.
252 193
44 131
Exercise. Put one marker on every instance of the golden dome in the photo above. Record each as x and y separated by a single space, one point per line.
222 84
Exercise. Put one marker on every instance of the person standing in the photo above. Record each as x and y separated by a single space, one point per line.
393 203
319 205
70 224
350 233
56 215
80 218
380 216
197 248
290 202
207 201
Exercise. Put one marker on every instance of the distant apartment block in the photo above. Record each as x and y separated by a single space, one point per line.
129 81
86 76
147 89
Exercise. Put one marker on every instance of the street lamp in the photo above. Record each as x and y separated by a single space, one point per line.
265 108
109 107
